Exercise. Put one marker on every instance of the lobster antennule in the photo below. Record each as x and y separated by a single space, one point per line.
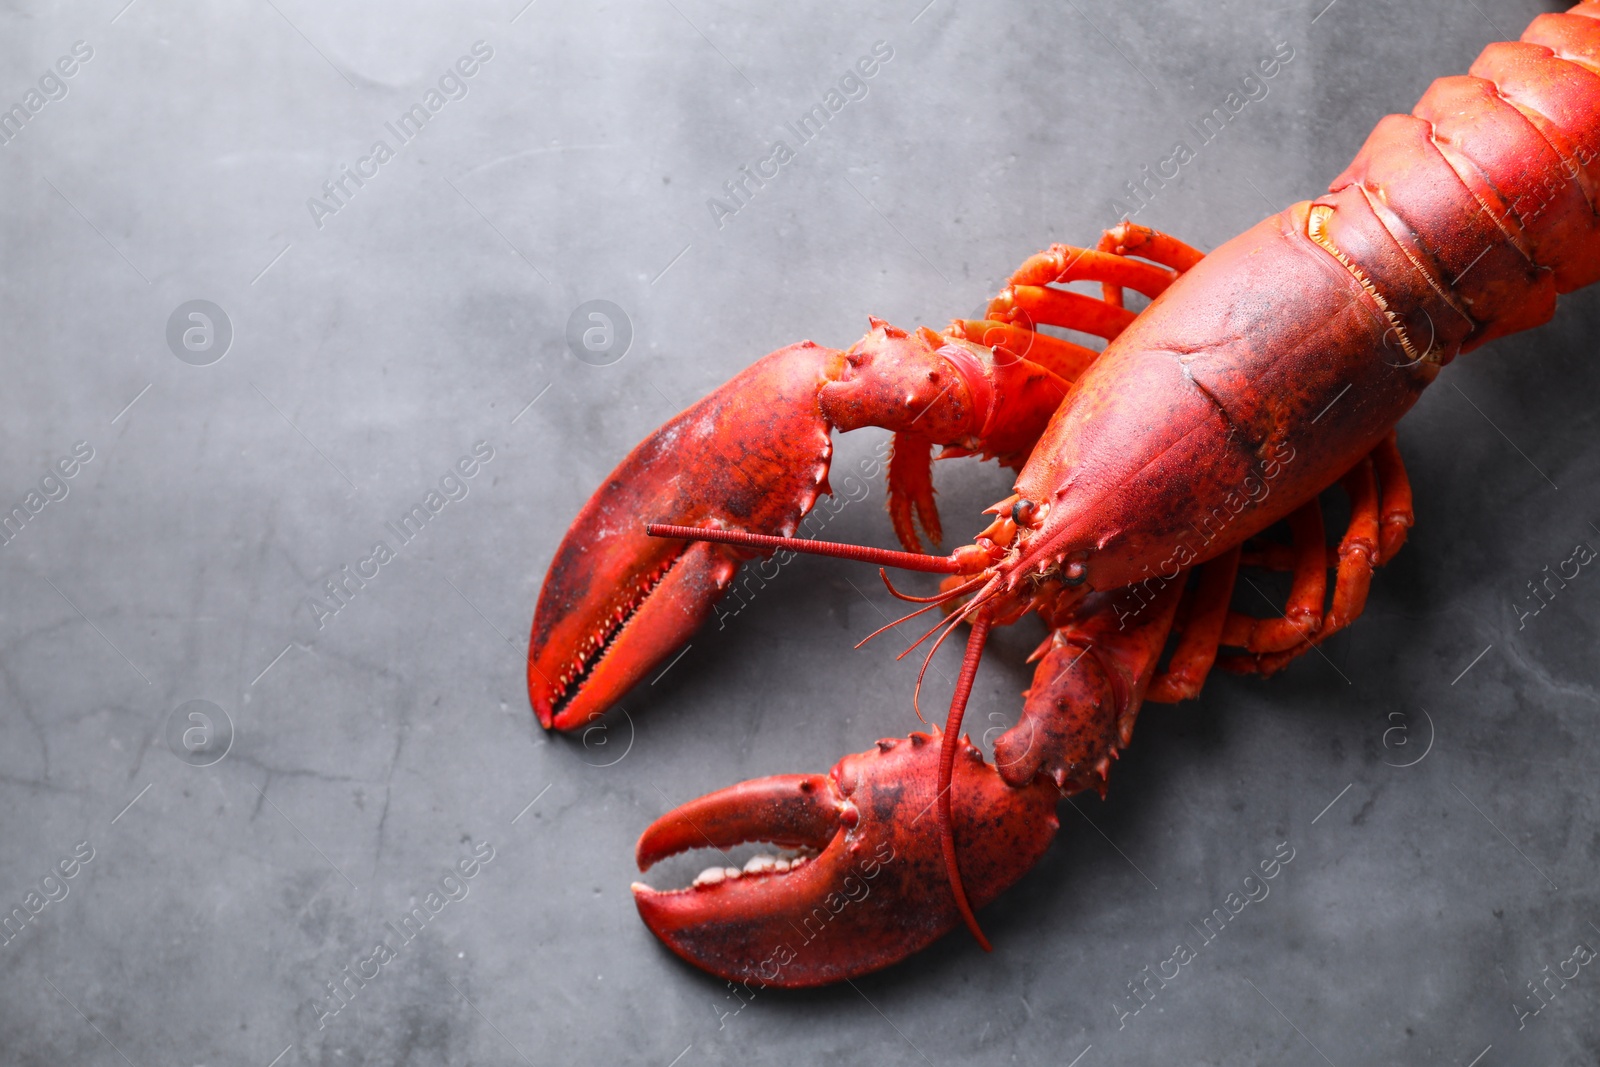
929 604
957 562
950 625
941 597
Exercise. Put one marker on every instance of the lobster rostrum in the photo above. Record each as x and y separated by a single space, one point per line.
1260 375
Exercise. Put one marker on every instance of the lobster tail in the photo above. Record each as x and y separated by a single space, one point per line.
1480 204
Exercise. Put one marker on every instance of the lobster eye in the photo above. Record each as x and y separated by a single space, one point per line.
1023 511
1075 573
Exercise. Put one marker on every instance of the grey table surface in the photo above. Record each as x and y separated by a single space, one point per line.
369 344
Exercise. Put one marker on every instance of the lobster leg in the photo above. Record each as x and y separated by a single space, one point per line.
910 490
1356 557
1376 520
1027 299
1303 616
1131 239
1058 307
1398 516
1196 652
1066 360
1110 264
1358 551
1378 526
1009 326
1060 264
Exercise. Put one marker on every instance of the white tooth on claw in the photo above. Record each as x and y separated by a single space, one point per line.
797 861
732 872
710 876
760 864
780 865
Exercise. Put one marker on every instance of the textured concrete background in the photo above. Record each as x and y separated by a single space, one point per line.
372 352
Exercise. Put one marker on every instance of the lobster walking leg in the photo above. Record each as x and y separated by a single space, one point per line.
1009 327
909 493
1398 516
1303 616
1131 239
1377 530
1377 517
1064 359
1196 651
1353 562
1057 307
1358 550
1110 264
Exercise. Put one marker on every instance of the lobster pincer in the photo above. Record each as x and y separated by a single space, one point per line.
868 886
754 456
616 603
871 883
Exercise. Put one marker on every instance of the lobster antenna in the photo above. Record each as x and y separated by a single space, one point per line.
906 561
947 763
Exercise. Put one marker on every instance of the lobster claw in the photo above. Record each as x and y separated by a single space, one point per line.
871 888
617 603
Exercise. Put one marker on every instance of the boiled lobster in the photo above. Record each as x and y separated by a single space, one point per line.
1259 376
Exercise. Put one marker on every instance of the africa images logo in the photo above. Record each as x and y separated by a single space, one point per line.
453 886
52 87
452 85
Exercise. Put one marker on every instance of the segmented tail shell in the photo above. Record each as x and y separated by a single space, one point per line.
1473 212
